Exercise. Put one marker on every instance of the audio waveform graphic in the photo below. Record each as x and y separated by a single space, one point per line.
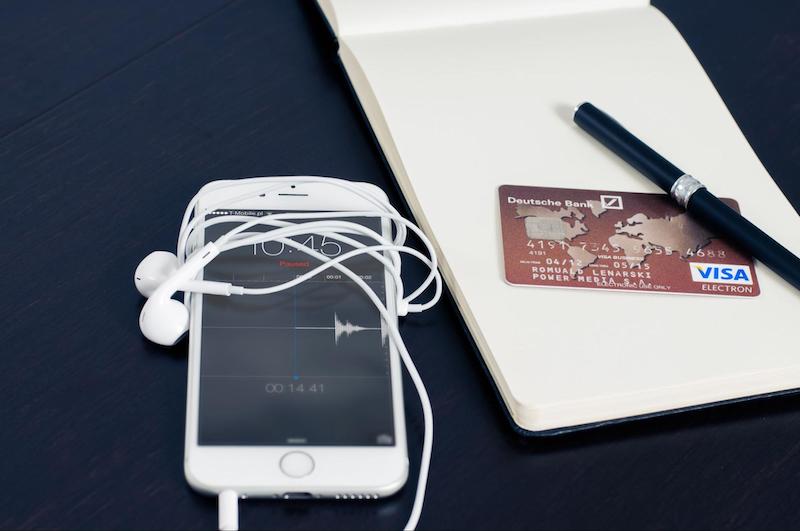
346 328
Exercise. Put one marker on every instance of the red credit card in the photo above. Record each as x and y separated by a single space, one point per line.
616 240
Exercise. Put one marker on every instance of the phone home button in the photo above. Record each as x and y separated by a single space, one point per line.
297 464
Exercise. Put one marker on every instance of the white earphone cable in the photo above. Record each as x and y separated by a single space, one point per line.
281 228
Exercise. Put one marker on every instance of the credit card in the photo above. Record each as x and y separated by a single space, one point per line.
562 237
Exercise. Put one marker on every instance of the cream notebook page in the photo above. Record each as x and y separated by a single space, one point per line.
464 106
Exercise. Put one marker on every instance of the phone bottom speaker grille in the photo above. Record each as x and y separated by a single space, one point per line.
356 496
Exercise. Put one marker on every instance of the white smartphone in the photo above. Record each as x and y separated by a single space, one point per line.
296 394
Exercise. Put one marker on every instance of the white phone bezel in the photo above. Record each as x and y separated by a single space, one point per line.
255 470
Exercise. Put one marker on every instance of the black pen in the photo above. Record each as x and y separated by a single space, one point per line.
689 193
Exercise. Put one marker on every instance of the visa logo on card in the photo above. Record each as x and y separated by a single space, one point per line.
721 273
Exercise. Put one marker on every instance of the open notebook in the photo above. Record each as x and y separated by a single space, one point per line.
467 96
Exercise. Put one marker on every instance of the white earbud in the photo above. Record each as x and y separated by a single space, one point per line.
158 266
165 320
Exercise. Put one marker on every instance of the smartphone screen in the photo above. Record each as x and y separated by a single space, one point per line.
305 366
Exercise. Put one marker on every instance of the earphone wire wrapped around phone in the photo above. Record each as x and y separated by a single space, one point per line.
160 275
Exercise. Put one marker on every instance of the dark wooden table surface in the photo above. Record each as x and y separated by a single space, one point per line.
113 113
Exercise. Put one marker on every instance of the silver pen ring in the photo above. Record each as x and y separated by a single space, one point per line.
684 188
